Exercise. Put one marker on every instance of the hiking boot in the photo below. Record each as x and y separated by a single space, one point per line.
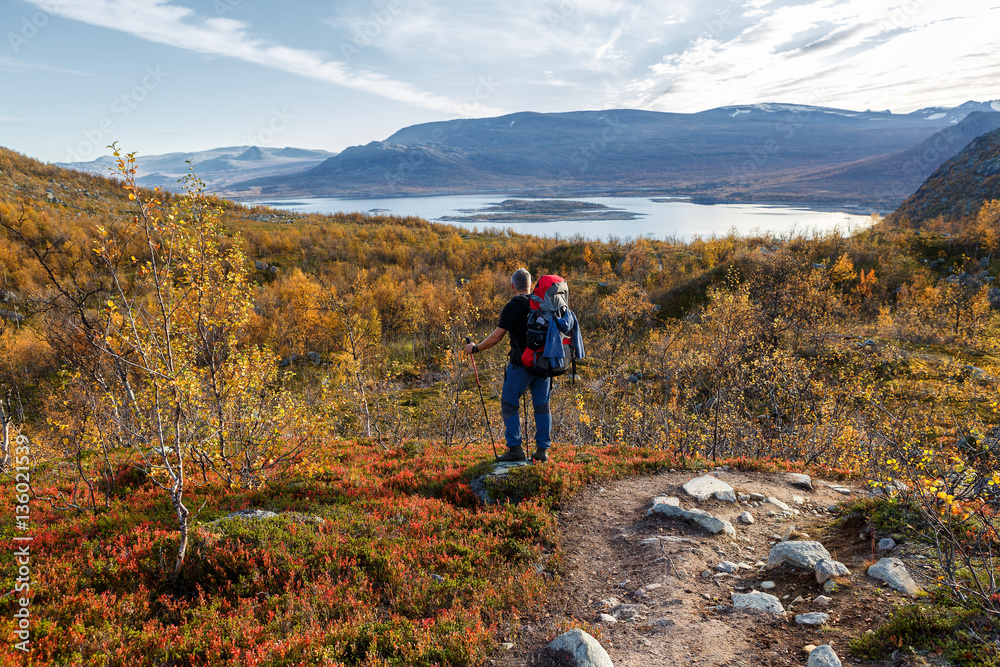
513 454
540 455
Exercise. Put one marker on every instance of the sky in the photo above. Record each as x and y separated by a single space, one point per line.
159 76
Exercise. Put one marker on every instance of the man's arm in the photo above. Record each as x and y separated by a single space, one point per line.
490 341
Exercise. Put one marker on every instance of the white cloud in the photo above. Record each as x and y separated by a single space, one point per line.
8 64
164 23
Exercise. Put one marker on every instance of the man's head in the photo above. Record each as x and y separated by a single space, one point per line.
521 281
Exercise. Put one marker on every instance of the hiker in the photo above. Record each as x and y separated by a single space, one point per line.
516 379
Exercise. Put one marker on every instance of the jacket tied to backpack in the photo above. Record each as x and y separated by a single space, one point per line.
553 339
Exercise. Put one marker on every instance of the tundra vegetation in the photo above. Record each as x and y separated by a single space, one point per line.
176 359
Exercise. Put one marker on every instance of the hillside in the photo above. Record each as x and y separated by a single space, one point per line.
959 187
312 501
746 152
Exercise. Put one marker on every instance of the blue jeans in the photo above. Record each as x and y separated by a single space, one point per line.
516 381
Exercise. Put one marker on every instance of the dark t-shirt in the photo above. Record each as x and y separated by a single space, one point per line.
514 318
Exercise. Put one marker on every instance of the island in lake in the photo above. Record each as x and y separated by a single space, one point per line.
542 210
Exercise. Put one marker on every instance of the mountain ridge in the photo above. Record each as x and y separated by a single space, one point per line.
742 152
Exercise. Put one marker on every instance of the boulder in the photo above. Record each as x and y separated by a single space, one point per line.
827 569
799 480
481 484
758 602
706 486
893 572
799 554
823 656
576 648
671 507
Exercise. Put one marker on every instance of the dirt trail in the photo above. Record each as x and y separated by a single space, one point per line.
687 619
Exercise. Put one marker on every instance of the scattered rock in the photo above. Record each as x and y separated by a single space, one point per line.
833 509
893 572
610 603
659 623
823 656
841 490
759 602
777 503
743 497
607 618
706 486
822 600
628 611
799 554
757 497
799 480
252 515
259 265
767 585
798 599
652 587
727 566
812 618
798 500
831 586
746 518
671 507
886 544
579 648
827 569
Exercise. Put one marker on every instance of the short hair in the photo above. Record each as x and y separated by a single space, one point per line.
521 280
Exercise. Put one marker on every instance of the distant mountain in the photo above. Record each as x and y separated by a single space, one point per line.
217 167
959 187
755 152
886 179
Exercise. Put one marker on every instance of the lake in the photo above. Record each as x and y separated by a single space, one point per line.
655 217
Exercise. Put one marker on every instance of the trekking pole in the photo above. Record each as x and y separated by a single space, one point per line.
468 340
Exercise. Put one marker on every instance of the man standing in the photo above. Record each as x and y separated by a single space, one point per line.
516 378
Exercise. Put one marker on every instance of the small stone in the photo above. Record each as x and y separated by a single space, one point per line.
843 490
743 497
585 649
767 585
799 480
777 503
822 601
707 574
827 569
607 618
758 497
833 509
798 500
823 656
809 648
652 587
798 600
759 563
507 646
660 623
706 486
831 586
746 518
798 553
886 544
893 572
727 566
628 611
812 618
759 602
609 603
